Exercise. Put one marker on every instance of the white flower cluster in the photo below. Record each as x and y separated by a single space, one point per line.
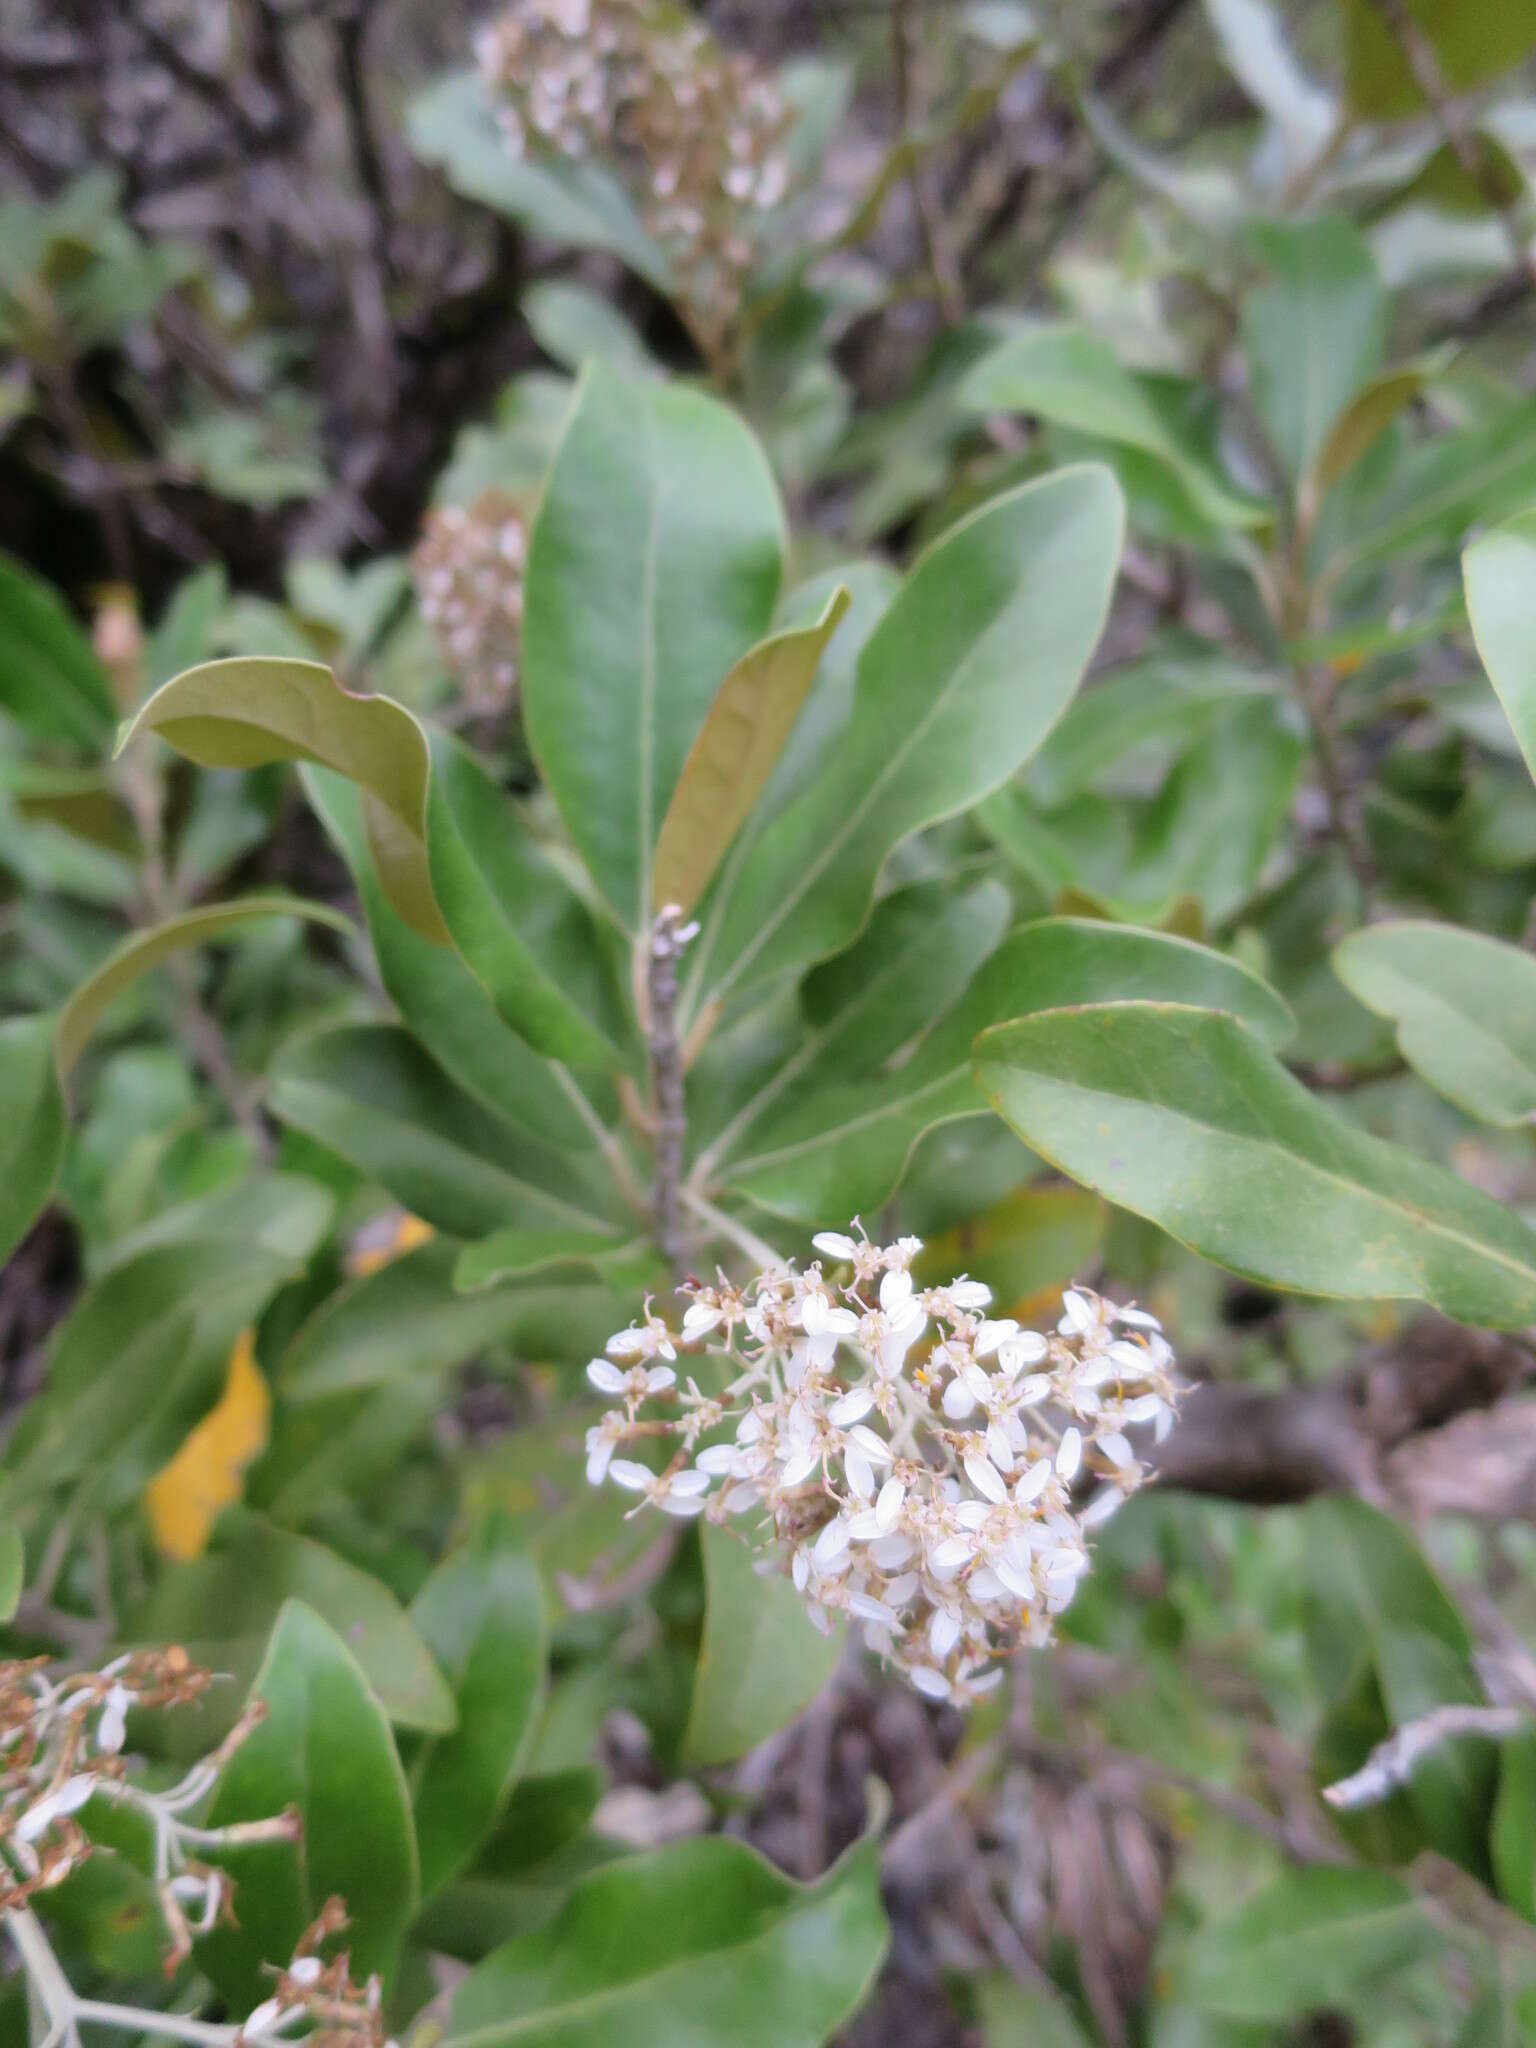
928 1470
697 131
468 568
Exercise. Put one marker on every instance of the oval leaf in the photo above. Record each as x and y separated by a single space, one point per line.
958 684
1500 573
1464 1006
481 1614
1183 1117
253 709
730 763
653 566
33 1124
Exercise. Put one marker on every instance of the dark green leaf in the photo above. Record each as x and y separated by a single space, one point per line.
760 1662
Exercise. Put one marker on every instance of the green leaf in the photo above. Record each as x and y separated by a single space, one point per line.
1183 1117
1500 572
738 747
761 1662
958 684
50 680
653 566
223 1607
700 1943
1365 418
1472 41
481 1615
563 200
575 326
369 1092
526 938
33 1122
325 1749
441 1000
1033 1242
394 1325
1316 1937
1065 374
249 710
911 963
1513 1838
142 1354
1464 1006
842 1148
1445 485
514 1254
1015 2015
1315 334
13 1569
147 949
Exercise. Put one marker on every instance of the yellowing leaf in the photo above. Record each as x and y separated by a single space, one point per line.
386 1238
187 1496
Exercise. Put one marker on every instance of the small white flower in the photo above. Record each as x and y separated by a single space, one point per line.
933 1683
305 1970
699 1318
112 1728
1069 1454
69 1798
836 1245
984 1476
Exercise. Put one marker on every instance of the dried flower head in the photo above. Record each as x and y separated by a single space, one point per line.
923 1466
468 568
61 1743
317 2000
696 131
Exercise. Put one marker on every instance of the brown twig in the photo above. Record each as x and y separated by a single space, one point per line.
669 1116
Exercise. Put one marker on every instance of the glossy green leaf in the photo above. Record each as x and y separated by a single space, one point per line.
1500 572
761 1662
738 747
1366 417
911 963
563 199
440 999
1182 1116
1464 1006
481 1614
701 1942
1472 41
143 1352
513 919
1015 2015
325 1749
1443 487
1033 1242
514 1254
249 710
1317 1937
1512 1841
575 326
841 1149
50 680
1074 378
958 684
33 1122
13 1569
223 1607
393 1325
1313 335
653 566
369 1092
95 995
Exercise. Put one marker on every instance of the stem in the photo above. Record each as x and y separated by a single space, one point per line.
607 1141
745 1240
942 267
669 1113
176 2026
1465 144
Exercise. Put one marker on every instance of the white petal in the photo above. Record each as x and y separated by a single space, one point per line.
659 1378
953 1552
831 1544
263 2016
860 1478
1019 1582
632 1477
800 1465
969 1293
1076 1314
984 1476
895 1293
867 1608
1145 1408
1034 1482
676 1504
984 1584
688 1481
1028 1348
717 1460
943 1631
1033 1390
598 1457
986 1681
605 1377
888 1507
991 1334
890 1553
999 1450
305 1969
835 1245
851 1407
1101 1507
873 1446
1070 1454
699 1318
932 1683
1137 1318
1116 1449
800 1569
958 1400
626 1343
